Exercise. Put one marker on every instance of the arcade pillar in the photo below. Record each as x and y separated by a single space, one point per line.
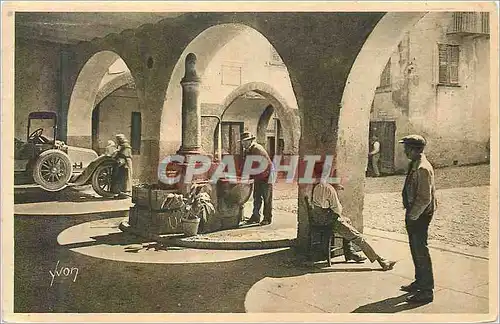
191 118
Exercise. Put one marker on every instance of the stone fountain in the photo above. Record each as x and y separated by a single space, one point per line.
148 217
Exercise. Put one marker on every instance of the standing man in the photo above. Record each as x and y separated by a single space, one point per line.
374 155
420 203
262 189
121 184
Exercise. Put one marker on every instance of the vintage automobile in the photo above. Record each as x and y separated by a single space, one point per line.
52 164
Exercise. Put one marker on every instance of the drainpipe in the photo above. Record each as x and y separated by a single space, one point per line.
219 134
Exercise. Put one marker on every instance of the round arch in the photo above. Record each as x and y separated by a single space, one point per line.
287 115
205 45
354 119
113 84
84 95
263 123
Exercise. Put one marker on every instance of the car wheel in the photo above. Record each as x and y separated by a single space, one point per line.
101 180
52 170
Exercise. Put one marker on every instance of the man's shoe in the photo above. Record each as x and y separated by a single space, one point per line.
265 222
386 264
251 220
423 296
410 288
356 257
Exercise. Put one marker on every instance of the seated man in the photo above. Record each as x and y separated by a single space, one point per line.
325 199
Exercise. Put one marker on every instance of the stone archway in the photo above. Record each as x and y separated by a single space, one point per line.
356 101
319 61
288 116
112 85
85 94
206 45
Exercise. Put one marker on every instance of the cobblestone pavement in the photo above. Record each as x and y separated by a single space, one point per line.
462 216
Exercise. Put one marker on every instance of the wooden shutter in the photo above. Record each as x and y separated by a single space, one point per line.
443 64
485 22
448 63
225 138
453 52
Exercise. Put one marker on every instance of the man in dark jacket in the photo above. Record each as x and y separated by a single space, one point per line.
420 203
121 184
262 190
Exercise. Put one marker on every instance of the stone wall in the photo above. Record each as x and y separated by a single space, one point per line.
115 115
37 81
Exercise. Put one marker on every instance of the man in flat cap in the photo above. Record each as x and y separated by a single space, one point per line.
420 203
262 188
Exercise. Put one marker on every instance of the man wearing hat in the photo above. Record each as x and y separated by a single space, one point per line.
420 203
262 190
326 204
121 184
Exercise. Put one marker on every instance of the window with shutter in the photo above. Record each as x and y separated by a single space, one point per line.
485 22
449 56
469 23
453 64
443 64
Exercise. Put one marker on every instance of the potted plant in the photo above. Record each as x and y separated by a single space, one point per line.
197 208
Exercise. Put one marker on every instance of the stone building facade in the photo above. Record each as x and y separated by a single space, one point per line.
334 61
435 84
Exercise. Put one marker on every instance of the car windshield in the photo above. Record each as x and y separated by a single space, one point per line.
46 124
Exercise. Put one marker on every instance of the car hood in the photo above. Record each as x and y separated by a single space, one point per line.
81 156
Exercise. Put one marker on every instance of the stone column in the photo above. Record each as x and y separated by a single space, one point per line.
191 118
191 126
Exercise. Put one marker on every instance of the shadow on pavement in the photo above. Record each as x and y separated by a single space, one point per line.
332 269
110 239
68 194
107 286
388 305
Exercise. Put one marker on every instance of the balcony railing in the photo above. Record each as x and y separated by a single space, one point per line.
470 23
